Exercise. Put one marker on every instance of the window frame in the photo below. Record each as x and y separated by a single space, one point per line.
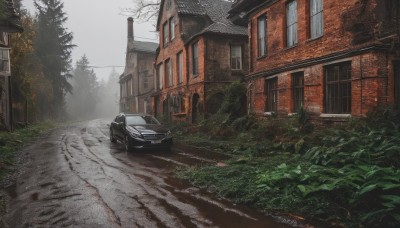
145 79
5 60
160 76
291 26
195 59
271 91
179 67
314 30
338 92
298 90
169 73
171 28
165 34
238 59
262 40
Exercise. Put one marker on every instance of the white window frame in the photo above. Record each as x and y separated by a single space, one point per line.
5 61
236 60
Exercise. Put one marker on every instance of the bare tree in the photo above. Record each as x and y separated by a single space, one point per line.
147 10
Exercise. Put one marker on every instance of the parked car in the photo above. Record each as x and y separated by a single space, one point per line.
140 131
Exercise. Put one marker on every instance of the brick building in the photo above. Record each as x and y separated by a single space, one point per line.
336 58
137 81
200 52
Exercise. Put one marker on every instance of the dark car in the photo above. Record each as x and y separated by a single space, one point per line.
140 131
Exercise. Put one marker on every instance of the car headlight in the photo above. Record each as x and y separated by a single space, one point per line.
135 135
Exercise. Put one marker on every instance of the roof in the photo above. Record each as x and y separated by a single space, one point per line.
215 10
142 46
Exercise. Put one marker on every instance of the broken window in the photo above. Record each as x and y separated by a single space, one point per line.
195 59
298 90
316 18
291 23
262 35
236 57
179 66
272 94
338 88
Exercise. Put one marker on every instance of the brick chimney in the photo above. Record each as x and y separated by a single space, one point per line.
130 28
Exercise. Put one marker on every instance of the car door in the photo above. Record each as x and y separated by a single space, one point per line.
117 127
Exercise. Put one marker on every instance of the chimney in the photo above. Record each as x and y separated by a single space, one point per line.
130 28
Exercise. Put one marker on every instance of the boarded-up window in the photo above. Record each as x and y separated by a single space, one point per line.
338 88
316 18
262 35
298 90
291 23
272 94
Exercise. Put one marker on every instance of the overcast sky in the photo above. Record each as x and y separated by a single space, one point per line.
100 31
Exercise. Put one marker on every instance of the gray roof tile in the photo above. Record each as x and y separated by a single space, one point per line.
144 46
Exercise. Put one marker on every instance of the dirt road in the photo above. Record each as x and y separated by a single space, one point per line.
75 177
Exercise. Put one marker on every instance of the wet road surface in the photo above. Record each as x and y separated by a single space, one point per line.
74 177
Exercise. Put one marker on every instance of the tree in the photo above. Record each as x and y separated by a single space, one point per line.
53 46
109 93
147 10
84 97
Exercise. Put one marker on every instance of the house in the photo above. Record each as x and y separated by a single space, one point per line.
137 81
9 23
200 53
336 58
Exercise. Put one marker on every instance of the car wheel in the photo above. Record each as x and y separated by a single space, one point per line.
112 138
128 146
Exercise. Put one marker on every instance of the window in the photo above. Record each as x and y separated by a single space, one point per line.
169 75
3 38
272 94
316 18
165 34
4 60
168 4
262 35
171 28
179 66
396 72
145 80
195 59
236 57
291 23
298 90
160 76
338 88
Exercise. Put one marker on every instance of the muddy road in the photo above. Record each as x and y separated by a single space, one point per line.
74 177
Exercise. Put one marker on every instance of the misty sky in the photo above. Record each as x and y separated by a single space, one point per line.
100 31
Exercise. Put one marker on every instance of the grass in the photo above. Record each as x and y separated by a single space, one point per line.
11 142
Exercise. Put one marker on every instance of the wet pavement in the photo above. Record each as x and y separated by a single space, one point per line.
74 177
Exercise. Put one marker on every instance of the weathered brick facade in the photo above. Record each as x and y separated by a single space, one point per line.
137 81
358 34
195 24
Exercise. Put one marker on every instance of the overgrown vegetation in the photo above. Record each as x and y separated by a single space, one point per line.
345 175
11 142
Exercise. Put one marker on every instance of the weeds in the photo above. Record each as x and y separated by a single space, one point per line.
346 175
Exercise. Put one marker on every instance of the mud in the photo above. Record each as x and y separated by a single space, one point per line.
76 177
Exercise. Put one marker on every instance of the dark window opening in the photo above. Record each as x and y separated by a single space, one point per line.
338 88
298 91
272 95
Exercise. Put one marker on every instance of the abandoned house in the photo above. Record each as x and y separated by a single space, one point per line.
334 58
9 23
137 81
200 53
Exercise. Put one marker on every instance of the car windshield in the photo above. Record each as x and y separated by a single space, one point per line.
140 120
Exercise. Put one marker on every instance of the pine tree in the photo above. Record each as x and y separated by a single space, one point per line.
53 48
84 98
